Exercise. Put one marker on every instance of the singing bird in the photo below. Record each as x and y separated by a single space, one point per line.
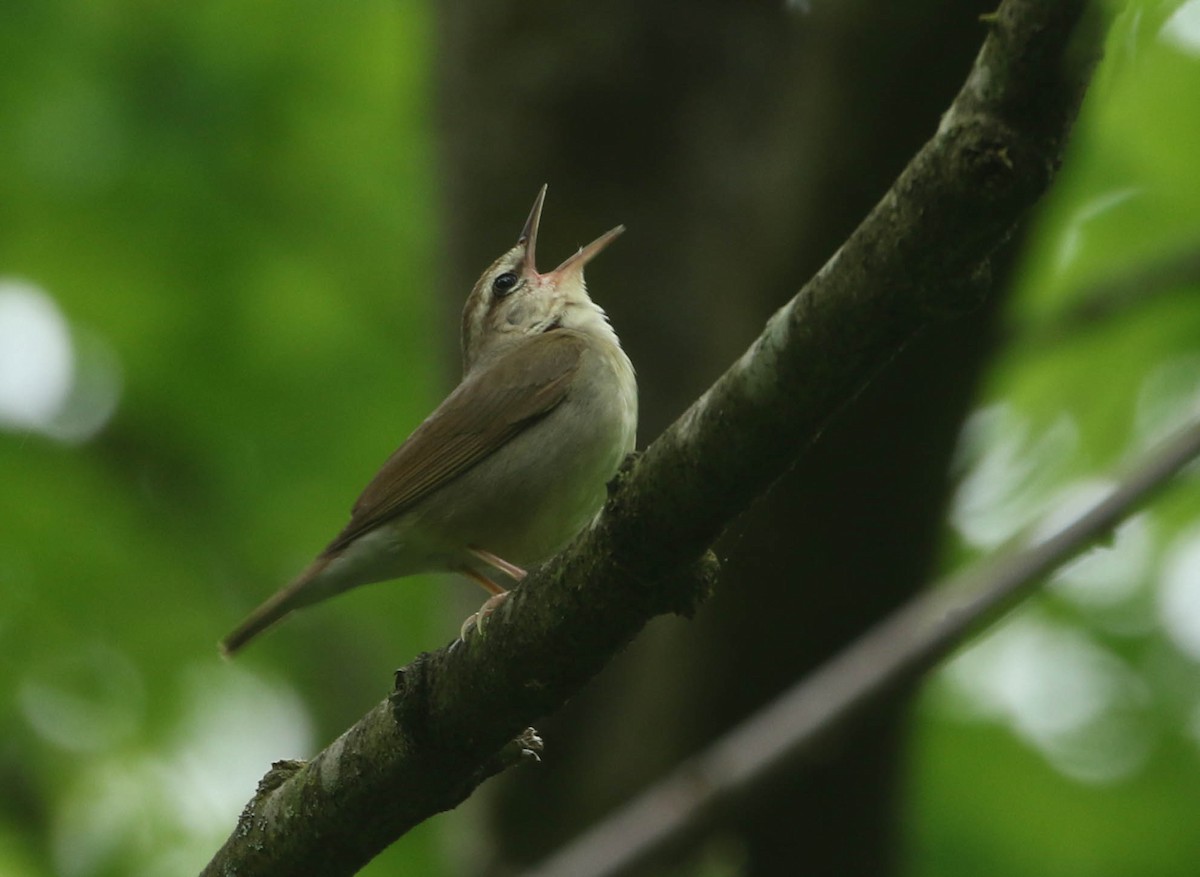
515 461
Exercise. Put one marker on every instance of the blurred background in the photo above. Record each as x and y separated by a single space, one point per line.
234 241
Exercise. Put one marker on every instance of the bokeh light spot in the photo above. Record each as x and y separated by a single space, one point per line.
36 357
1179 593
1182 29
86 700
1066 696
61 383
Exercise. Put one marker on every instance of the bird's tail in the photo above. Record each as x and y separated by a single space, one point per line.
300 592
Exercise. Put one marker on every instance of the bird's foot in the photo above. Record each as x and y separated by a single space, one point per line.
477 621
527 746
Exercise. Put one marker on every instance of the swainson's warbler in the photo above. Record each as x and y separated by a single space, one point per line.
513 464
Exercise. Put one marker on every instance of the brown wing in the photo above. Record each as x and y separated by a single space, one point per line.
475 420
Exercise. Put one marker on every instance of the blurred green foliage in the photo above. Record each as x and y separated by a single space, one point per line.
229 208
1067 740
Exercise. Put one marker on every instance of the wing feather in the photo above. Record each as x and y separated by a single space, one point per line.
484 411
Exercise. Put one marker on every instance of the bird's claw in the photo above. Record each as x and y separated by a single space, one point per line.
477 621
531 744
525 746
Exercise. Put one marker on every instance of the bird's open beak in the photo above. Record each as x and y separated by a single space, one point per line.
574 263
529 232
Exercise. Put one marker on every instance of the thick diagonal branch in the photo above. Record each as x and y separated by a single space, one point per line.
921 255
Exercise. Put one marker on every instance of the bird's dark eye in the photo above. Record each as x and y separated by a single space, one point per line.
504 284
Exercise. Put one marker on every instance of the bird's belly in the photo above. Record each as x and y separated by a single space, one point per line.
526 512
533 495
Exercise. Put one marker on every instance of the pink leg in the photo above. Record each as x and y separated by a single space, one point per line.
487 584
499 594
511 570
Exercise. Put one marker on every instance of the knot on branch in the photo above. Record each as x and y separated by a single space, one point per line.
996 161
280 773
409 699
